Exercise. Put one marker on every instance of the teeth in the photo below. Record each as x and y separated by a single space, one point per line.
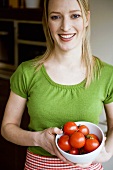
67 36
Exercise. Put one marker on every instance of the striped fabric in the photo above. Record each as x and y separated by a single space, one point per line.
36 162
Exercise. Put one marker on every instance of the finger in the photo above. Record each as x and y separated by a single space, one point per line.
56 131
60 156
84 165
64 159
104 138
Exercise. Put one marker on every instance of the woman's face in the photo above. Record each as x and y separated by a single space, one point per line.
65 23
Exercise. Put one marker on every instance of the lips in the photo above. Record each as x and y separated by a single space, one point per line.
66 36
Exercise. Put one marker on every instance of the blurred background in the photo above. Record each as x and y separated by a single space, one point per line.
102 29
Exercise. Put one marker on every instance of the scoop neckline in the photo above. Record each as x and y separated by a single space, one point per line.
81 84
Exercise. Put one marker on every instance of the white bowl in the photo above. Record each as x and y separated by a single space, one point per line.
89 157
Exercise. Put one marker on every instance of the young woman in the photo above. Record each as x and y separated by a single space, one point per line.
65 84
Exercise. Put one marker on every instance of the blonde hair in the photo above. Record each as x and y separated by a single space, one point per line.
87 58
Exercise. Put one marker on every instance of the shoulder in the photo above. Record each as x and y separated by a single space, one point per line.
104 66
24 72
107 68
26 69
21 79
102 70
27 66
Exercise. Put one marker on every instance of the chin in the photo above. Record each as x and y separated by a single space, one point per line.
67 49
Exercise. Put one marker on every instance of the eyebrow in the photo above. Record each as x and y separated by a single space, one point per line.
75 11
69 11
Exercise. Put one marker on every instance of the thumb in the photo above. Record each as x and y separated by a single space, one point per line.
57 131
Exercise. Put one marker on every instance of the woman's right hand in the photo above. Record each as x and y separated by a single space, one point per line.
46 140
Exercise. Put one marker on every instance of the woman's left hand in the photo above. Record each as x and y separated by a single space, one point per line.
103 156
84 165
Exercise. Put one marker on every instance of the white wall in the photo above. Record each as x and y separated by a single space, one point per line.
102 40
102 29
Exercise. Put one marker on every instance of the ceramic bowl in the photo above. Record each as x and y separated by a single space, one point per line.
88 157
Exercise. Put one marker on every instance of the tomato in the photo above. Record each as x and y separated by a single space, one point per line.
83 129
63 143
82 151
91 145
69 128
74 151
92 136
77 140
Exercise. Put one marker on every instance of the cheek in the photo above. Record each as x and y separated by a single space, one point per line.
52 28
51 32
79 26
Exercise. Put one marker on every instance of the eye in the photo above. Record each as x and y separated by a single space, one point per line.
55 17
74 16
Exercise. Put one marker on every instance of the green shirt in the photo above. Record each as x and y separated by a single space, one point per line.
51 104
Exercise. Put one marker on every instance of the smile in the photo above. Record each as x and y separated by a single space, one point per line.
66 36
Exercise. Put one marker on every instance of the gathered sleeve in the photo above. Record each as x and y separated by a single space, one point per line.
109 91
19 81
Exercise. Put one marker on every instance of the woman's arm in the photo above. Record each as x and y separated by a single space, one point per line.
107 151
10 128
12 132
109 139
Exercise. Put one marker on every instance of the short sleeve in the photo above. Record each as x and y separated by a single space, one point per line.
18 82
109 96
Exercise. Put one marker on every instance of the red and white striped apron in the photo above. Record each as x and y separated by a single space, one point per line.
36 162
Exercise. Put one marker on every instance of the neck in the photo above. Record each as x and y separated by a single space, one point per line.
67 58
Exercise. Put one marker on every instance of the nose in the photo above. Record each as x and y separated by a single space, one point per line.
66 24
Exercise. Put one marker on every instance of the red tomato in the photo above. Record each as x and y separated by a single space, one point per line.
92 136
63 143
82 151
69 128
91 145
74 151
77 140
83 129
